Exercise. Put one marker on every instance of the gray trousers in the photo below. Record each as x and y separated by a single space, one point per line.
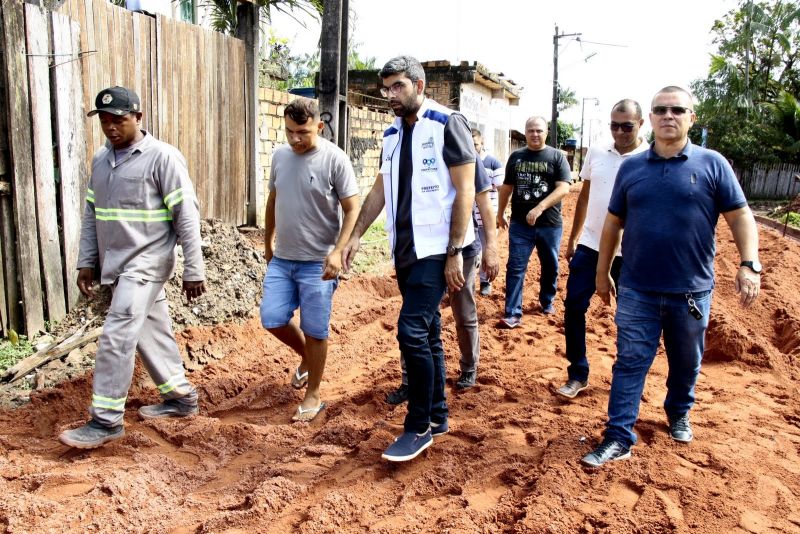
482 238
138 318
465 315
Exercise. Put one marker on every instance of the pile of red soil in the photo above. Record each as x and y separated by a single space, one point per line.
509 464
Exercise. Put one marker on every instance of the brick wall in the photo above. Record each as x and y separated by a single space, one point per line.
366 134
442 85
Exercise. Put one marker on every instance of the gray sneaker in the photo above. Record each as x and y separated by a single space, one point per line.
680 429
168 408
91 435
608 451
572 388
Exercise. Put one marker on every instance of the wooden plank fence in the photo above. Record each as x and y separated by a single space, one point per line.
192 83
774 182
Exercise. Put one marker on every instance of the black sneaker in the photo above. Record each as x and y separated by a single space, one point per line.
91 435
606 452
486 289
398 396
466 380
168 408
680 429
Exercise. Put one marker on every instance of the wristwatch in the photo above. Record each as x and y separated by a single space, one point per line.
453 250
754 266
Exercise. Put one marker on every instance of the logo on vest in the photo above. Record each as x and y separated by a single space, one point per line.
430 188
428 165
428 143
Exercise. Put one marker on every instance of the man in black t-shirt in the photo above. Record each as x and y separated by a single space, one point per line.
537 178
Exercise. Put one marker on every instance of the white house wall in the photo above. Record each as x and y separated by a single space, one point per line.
487 114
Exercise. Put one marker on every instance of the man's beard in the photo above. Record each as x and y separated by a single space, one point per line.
405 108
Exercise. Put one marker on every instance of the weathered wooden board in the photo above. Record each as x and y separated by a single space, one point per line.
71 141
20 144
38 47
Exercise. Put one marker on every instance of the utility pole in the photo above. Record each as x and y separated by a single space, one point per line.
583 105
748 17
554 111
247 17
333 71
344 132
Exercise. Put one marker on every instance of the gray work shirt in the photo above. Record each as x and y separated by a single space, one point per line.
136 210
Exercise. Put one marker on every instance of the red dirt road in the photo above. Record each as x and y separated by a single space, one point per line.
509 464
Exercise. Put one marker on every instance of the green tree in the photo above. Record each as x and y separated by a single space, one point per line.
223 12
566 98
303 70
565 131
786 115
745 102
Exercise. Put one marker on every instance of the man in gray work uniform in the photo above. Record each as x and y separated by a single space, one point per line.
140 201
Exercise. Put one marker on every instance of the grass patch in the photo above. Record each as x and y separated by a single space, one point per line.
793 217
374 256
11 354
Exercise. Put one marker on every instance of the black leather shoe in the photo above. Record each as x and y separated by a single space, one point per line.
680 429
398 396
606 452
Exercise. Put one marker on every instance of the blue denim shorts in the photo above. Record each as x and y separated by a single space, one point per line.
291 284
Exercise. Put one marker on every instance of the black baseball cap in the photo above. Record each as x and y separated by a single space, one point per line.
116 100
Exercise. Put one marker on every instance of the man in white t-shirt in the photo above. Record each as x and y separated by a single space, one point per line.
599 173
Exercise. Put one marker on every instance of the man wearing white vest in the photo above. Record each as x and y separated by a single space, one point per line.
426 183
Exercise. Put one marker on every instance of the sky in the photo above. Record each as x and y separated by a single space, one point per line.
656 44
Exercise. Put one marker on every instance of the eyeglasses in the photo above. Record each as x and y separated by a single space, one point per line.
395 88
676 110
626 127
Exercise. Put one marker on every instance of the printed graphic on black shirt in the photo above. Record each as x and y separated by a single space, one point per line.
531 183
534 174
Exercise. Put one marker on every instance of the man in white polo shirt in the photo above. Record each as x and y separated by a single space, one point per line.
598 173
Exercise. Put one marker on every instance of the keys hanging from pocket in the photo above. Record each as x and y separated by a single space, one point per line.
694 311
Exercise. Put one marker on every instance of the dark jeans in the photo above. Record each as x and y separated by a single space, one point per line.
422 285
641 318
580 288
522 239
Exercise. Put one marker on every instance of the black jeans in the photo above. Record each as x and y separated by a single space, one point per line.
422 285
580 288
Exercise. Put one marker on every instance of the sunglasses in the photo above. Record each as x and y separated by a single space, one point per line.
626 127
676 110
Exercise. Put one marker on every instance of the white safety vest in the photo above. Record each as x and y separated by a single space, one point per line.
432 191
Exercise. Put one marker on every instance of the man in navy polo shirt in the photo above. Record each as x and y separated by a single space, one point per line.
668 199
